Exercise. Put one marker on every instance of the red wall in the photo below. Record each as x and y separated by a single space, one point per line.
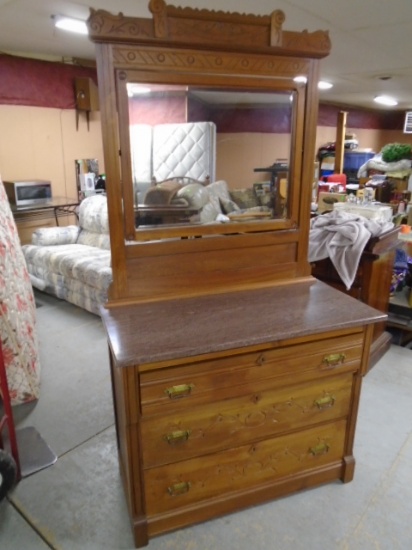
149 110
48 84
39 83
361 118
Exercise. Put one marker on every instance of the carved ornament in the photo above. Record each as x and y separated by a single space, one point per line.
187 60
208 28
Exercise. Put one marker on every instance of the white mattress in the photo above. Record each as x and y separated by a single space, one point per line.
184 150
173 150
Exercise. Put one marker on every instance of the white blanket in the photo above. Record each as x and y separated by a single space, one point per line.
342 237
401 167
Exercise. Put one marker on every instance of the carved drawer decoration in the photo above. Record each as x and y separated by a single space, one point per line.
207 477
260 414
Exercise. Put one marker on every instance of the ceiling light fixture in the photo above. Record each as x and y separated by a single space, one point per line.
323 85
302 79
385 100
136 89
70 24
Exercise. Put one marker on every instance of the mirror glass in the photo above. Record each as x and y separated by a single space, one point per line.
209 156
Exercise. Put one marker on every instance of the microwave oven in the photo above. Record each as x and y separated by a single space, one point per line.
28 192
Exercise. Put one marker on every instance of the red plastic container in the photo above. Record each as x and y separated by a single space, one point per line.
337 178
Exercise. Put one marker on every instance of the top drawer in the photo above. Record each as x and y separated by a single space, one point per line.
206 381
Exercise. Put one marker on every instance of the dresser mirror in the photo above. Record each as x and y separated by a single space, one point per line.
206 159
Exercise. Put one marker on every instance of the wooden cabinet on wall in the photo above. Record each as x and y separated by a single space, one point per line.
236 374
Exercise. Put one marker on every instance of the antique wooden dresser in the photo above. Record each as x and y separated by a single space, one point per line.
236 374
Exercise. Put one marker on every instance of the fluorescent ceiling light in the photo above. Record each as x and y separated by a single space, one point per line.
385 100
136 89
70 24
322 85
302 79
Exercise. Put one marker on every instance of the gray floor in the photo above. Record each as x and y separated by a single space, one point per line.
78 503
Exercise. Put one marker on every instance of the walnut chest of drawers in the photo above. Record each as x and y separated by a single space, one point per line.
227 401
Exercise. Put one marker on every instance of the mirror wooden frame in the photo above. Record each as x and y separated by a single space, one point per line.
191 46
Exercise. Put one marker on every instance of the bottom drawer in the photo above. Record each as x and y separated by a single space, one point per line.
177 485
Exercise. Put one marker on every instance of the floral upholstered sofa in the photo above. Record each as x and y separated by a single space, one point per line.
73 262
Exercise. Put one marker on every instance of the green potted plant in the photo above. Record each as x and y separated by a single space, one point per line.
393 152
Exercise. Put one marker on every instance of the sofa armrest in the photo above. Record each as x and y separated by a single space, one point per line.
48 236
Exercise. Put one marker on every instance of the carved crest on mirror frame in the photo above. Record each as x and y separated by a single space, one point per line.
201 26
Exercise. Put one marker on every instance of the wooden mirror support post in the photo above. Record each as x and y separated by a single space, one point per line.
212 322
340 142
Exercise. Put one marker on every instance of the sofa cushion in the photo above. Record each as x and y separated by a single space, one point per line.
162 193
93 215
87 264
96 240
245 198
94 222
220 202
218 189
44 236
195 194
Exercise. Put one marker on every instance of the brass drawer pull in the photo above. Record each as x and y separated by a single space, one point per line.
320 449
325 401
183 390
179 488
177 437
334 359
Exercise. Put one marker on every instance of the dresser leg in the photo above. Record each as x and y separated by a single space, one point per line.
348 470
140 534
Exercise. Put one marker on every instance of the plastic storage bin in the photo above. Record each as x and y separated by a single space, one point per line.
353 160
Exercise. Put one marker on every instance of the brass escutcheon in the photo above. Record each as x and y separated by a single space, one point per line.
260 360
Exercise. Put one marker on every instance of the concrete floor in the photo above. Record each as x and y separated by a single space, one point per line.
78 503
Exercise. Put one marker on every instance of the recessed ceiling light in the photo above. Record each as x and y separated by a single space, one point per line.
136 89
70 24
385 100
322 85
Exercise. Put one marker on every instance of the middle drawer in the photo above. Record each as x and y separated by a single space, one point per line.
258 414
